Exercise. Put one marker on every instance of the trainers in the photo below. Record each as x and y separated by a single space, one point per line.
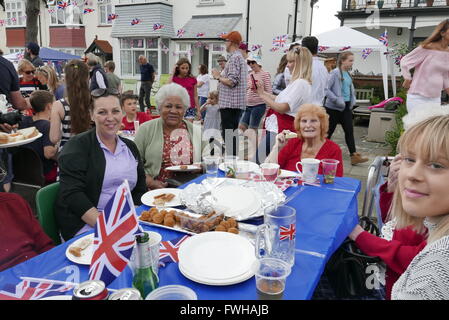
357 158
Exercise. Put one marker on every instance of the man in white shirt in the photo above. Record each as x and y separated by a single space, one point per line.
320 75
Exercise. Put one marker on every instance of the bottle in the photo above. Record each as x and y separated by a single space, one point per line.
145 279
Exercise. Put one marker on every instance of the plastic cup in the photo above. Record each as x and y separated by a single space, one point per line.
271 275
329 170
136 126
172 292
211 163
270 171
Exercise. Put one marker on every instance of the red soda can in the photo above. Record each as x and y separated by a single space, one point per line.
91 290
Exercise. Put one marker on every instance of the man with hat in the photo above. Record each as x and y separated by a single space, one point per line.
232 82
32 53
222 62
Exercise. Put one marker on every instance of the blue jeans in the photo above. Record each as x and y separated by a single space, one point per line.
253 115
201 102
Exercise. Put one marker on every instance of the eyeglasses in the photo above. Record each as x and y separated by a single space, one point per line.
104 92
251 62
40 69
29 72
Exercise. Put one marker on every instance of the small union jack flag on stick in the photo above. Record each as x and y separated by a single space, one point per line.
287 232
168 251
384 38
29 289
135 21
114 236
157 26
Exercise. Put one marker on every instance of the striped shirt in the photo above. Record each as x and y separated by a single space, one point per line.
66 128
252 97
27 87
236 70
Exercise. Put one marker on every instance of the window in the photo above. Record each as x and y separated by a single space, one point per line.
104 10
15 13
132 48
210 3
15 50
216 50
71 15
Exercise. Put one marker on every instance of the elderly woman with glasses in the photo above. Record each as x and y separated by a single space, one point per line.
27 81
93 164
168 140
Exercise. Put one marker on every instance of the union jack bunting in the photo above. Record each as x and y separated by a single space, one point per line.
88 10
112 16
180 33
168 251
34 290
280 41
200 34
114 236
221 34
2 23
274 49
322 48
62 5
384 38
157 26
366 52
135 21
287 232
345 48
255 47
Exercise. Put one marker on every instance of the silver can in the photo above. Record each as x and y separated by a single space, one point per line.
91 290
126 294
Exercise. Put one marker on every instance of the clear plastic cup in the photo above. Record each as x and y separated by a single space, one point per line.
172 292
329 170
271 275
211 163
270 171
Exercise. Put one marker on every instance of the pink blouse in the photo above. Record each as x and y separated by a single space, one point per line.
431 71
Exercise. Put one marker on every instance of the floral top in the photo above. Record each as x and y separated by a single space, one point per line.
177 150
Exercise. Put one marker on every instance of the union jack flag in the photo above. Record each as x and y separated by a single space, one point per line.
366 52
62 5
135 21
157 26
221 34
384 38
322 48
345 48
34 290
255 47
2 23
168 251
114 236
280 41
287 233
180 33
274 49
200 34
88 10
112 16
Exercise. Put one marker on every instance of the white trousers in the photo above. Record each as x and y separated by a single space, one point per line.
418 102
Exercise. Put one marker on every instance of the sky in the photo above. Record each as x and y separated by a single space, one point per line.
324 16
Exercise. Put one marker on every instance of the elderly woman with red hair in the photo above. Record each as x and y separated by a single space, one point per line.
311 123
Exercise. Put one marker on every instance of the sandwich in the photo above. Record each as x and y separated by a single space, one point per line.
4 138
14 137
28 132
290 135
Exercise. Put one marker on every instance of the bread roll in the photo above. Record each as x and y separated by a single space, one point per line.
4 138
14 137
28 132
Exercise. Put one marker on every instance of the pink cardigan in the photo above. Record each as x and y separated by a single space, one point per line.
431 71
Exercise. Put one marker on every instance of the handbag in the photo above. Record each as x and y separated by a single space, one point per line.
346 270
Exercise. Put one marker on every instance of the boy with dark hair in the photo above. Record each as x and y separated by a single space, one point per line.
42 101
128 102
310 43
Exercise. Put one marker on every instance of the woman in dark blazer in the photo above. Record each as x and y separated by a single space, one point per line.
93 164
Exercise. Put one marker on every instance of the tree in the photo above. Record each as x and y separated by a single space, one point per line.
32 13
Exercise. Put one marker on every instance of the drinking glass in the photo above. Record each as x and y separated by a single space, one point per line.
276 237
211 163
270 171
329 170
271 275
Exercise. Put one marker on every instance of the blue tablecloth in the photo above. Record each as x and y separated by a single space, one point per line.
325 217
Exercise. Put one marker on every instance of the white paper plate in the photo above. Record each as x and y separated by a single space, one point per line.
239 201
66 297
243 166
217 258
86 254
190 167
19 143
148 197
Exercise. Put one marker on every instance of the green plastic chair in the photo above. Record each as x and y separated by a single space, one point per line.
45 200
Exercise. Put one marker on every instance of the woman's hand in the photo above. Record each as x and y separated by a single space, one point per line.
155 184
393 173
356 232
406 84
281 139
259 88
215 73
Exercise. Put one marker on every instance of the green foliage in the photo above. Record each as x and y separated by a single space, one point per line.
392 137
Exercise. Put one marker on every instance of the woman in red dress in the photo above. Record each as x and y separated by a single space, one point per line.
311 123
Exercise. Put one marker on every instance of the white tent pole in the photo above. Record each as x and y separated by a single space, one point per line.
393 77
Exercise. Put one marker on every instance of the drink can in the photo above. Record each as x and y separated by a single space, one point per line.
126 294
91 290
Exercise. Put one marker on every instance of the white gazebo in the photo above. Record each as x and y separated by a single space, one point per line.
356 41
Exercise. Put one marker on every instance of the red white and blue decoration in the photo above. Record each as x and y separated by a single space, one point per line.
62 5
345 48
255 47
157 26
135 21
34 290
366 52
168 251
200 34
287 233
180 33
88 10
323 48
112 16
384 38
114 236
280 41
